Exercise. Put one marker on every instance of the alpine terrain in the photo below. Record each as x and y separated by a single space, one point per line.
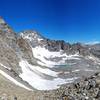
33 67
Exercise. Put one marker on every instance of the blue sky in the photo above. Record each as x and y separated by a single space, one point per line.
70 20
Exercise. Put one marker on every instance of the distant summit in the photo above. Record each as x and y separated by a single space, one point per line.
4 27
2 20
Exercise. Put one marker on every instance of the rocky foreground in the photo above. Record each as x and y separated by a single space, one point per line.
85 89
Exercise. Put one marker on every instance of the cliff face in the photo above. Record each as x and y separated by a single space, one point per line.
8 46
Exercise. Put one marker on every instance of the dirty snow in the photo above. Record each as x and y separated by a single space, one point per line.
37 81
44 56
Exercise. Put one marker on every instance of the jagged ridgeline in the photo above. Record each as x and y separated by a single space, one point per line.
4 26
30 62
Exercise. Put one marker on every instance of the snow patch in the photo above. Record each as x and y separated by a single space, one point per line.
37 81
13 80
77 70
96 60
5 66
41 70
45 55
88 70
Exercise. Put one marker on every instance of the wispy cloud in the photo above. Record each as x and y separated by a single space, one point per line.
92 42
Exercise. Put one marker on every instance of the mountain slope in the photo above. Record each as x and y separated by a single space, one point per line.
56 62
33 62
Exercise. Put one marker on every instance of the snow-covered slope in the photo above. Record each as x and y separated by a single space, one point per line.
46 68
50 58
34 76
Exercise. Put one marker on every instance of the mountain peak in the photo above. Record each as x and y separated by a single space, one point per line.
30 32
2 21
4 27
31 35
